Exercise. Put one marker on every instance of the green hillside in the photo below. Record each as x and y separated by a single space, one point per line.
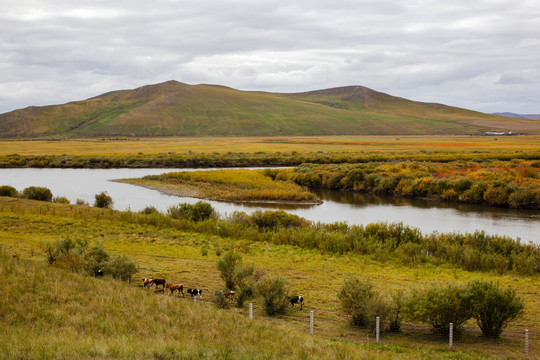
176 109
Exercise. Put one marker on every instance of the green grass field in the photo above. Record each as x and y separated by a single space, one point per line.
50 313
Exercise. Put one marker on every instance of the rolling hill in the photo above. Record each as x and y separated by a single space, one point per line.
177 109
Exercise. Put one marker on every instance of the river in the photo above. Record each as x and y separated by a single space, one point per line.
353 208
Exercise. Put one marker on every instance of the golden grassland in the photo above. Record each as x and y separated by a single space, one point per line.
54 312
227 185
350 144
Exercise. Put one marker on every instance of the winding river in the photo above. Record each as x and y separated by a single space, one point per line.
353 208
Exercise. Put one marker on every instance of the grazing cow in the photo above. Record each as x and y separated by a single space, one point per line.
99 273
195 292
159 282
228 294
147 282
297 300
175 287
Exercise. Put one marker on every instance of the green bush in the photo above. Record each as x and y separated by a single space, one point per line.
493 307
360 300
276 219
120 268
149 210
439 305
103 200
6 190
60 200
273 290
195 212
78 256
37 193
228 266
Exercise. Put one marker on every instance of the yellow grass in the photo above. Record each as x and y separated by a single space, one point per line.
353 144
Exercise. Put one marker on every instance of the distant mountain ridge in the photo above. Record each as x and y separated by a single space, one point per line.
519 116
173 108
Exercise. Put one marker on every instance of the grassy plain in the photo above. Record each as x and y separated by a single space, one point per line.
78 317
302 144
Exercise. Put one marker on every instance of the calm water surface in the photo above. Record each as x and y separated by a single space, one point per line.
353 208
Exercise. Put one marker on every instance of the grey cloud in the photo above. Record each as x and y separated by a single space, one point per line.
463 53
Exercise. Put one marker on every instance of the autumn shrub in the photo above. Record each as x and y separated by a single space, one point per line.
10 191
493 307
37 193
149 210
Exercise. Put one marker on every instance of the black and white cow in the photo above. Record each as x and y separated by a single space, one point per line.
297 300
195 292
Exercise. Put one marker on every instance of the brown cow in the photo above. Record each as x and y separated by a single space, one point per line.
175 287
147 283
159 282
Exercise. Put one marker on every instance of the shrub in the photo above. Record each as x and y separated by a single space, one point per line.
149 210
60 200
274 293
276 219
103 200
364 304
195 212
220 300
120 268
37 193
228 266
81 202
493 307
6 190
78 256
439 305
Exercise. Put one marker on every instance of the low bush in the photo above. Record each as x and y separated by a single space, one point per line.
273 290
10 191
60 200
78 256
37 193
228 266
360 300
439 305
103 200
199 211
493 308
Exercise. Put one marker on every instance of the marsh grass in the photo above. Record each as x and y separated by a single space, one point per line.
228 185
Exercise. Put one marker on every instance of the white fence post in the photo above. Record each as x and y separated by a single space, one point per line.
195 299
251 310
377 328
451 336
526 343
311 322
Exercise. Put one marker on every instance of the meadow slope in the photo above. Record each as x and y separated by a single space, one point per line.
48 312
176 109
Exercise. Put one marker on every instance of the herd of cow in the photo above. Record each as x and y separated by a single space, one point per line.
148 283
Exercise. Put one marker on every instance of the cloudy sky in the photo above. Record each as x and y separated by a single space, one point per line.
477 54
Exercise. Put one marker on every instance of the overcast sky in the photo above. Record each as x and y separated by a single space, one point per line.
476 54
